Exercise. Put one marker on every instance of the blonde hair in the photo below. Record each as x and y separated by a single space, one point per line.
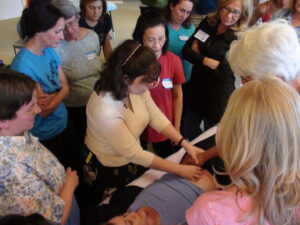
242 23
259 139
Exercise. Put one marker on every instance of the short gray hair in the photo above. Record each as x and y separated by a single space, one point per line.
67 8
269 49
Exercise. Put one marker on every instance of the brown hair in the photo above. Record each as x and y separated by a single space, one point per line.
187 22
242 23
16 90
131 59
83 4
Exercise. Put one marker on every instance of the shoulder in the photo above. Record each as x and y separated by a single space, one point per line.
51 53
212 206
24 62
103 106
172 58
21 57
168 55
107 19
205 26
92 35
206 208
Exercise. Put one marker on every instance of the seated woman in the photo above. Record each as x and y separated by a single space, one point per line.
258 140
32 180
80 56
43 25
117 113
95 17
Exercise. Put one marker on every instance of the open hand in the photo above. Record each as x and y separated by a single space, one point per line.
193 151
189 172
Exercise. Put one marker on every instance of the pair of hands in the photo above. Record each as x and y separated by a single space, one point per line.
44 101
209 62
191 170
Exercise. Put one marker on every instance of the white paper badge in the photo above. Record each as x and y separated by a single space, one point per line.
167 83
201 35
91 55
183 38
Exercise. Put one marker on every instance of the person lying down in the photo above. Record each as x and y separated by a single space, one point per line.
162 202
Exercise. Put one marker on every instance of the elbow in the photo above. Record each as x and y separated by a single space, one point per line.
65 90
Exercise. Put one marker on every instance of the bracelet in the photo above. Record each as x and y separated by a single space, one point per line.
180 141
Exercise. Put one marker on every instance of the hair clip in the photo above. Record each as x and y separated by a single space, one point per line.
124 63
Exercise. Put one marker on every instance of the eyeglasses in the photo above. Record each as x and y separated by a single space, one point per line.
152 84
70 23
234 12
152 41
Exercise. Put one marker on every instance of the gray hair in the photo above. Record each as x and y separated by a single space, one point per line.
269 49
67 8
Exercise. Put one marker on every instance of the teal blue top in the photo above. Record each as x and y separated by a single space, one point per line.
44 70
177 39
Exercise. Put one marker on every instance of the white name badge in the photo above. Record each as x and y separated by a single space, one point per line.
91 55
201 35
183 38
167 83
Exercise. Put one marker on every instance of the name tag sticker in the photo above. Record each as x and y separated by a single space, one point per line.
183 38
91 55
167 83
201 35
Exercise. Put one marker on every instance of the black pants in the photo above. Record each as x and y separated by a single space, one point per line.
66 147
78 116
104 178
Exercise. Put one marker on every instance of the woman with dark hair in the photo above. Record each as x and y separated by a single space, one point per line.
178 15
95 17
117 113
32 180
151 31
43 25
212 80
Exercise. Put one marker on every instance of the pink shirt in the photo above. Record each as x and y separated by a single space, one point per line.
221 208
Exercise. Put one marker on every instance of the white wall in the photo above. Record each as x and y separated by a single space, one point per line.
10 9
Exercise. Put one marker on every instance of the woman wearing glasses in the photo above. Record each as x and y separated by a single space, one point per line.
151 31
212 80
118 111
80 55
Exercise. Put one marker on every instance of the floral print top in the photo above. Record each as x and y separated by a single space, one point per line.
30 178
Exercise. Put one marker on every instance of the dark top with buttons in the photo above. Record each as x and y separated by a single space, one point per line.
209 89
